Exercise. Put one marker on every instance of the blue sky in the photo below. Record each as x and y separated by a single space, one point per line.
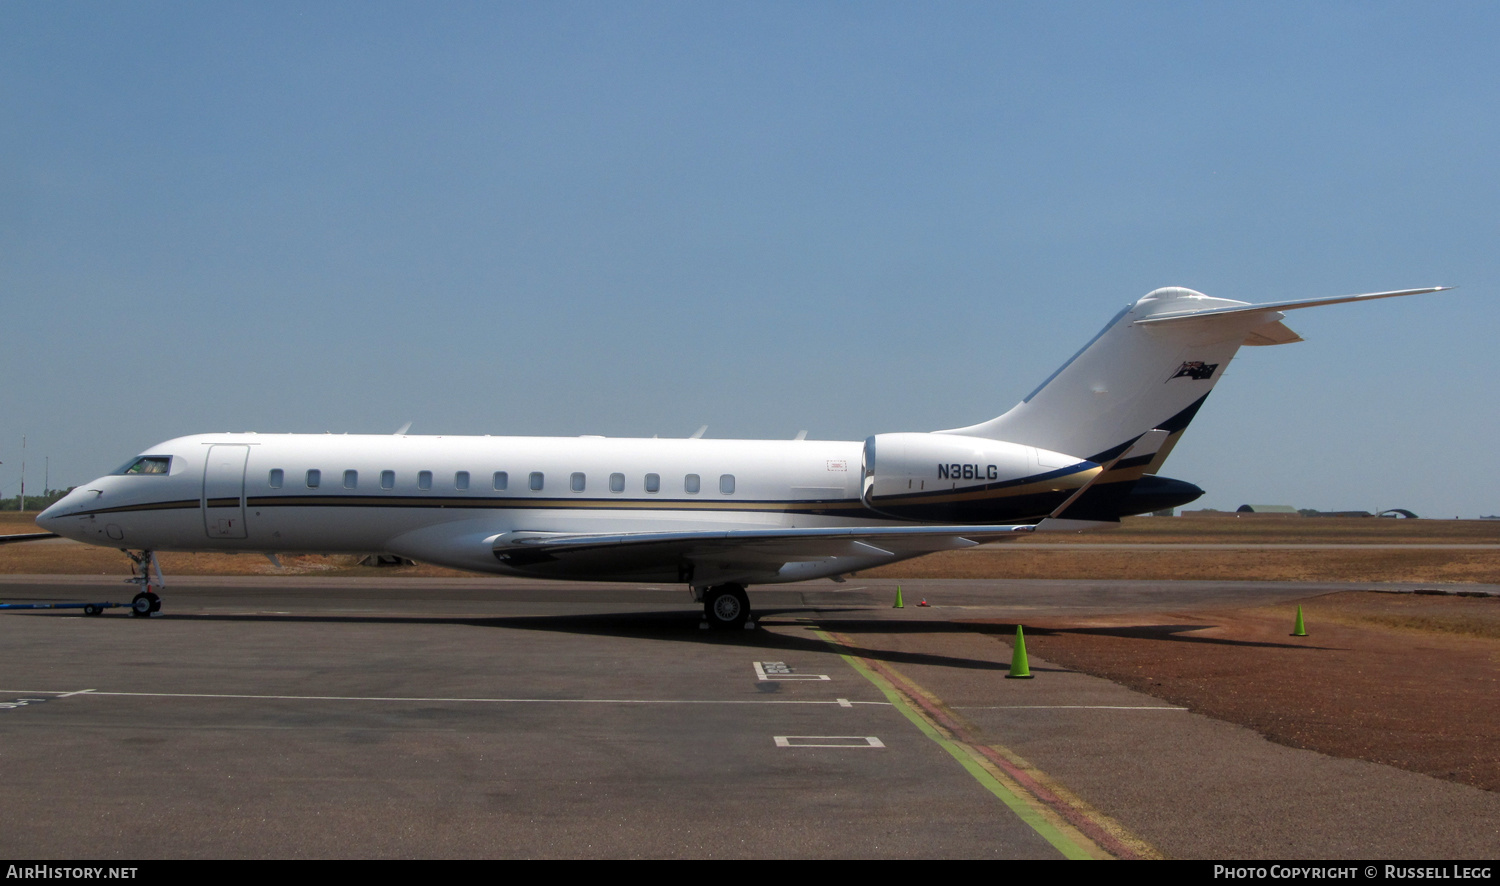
638 218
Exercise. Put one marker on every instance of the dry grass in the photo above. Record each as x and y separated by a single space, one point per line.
1058 555
1403 680
1476 617
73 558
1266 530
1026 562
1049 556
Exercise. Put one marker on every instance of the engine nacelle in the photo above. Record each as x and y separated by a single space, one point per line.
948 477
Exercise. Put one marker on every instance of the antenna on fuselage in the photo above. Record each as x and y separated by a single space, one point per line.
402 430
698 433
801 435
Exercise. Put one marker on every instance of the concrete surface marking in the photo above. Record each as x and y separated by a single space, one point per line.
1074 828
777 670
829 741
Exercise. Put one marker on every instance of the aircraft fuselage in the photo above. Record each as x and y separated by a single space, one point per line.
447 499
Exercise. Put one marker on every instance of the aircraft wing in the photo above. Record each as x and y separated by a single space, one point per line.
760 545
735 555
697 555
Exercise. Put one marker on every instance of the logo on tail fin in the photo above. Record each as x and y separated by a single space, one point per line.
1196 370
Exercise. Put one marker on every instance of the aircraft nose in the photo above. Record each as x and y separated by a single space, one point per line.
54 518
49 519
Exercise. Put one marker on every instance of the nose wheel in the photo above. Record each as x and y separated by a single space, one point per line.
146 603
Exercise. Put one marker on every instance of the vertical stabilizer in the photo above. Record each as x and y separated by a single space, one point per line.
1151 367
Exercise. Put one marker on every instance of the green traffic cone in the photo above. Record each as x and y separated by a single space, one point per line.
899 604
1300 629
1019 669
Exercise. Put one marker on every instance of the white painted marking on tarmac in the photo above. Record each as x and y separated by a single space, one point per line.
828 741
778 670
97 693
845 703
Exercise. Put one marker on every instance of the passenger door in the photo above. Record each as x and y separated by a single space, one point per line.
224 491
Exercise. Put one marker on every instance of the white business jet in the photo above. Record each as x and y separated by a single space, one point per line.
1080 451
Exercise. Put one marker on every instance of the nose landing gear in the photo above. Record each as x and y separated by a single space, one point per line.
146 603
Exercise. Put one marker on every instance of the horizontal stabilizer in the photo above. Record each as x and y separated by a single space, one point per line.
1175 317
1273 333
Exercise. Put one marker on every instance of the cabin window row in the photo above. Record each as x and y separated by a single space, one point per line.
692 484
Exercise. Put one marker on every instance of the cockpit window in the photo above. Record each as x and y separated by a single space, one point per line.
148 464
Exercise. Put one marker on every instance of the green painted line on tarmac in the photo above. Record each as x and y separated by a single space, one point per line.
959 751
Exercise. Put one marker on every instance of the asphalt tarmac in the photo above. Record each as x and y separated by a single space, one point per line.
299 717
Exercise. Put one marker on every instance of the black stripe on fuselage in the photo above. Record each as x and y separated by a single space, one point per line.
180 504
983 491
839 507
509 503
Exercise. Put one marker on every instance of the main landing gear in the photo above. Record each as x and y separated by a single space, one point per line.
726 606
146 603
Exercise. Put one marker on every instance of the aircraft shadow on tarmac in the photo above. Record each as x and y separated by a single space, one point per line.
1164 633
681 626
672 626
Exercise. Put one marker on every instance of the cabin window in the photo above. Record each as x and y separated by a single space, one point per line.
576 481
387 479
276 477
351 479
726 484
653 482
148 464
691 484
314 477
461 480
616 482
424 480
536 481
502 480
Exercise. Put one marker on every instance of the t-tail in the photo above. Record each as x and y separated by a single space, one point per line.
1151 367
